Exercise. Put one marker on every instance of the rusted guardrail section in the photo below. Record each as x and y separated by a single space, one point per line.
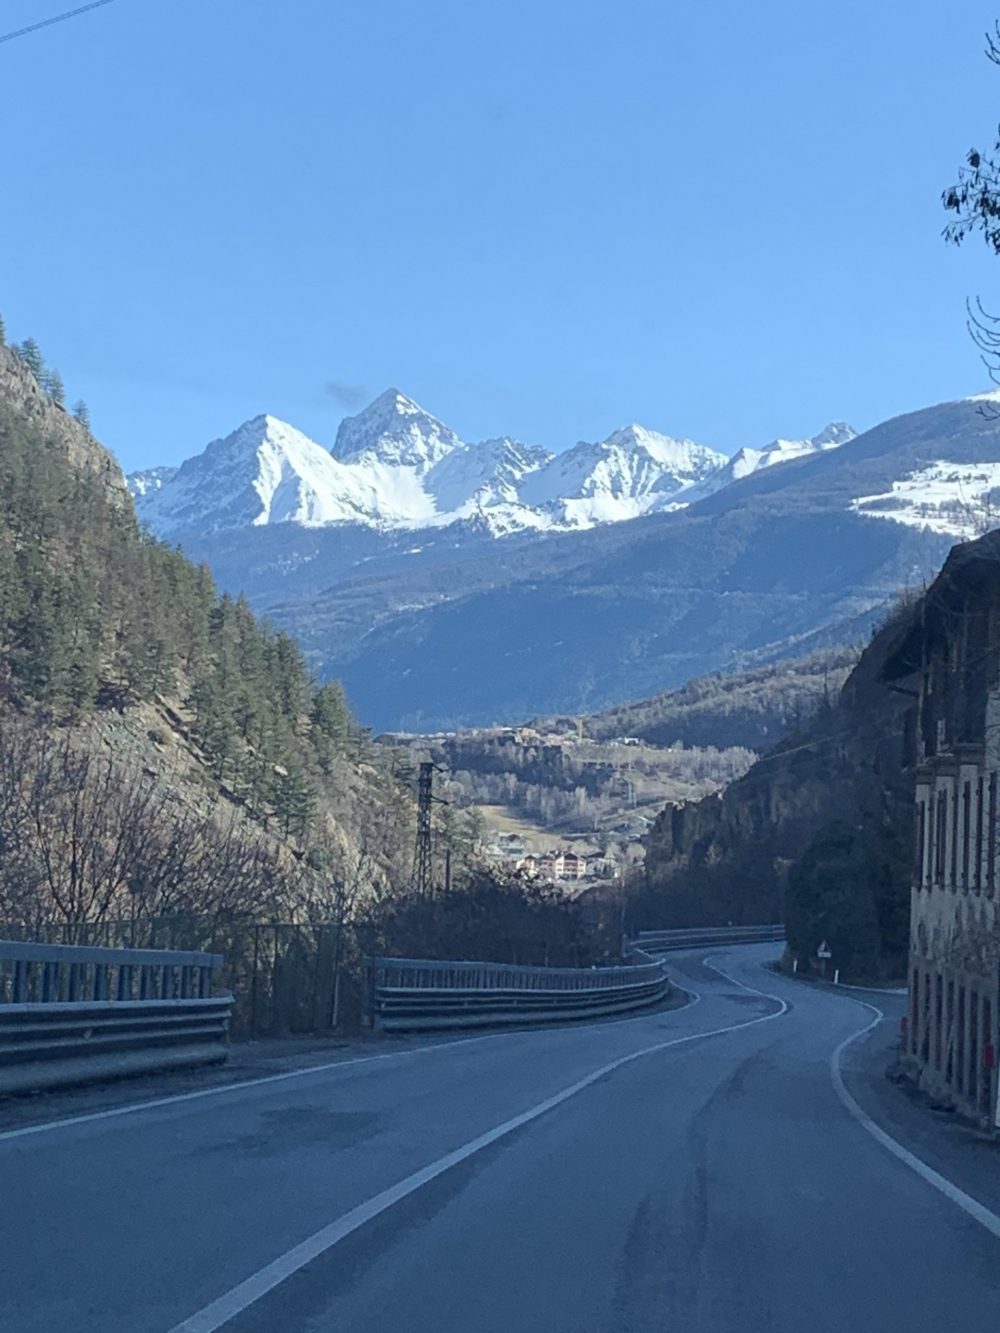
75 1014
413 994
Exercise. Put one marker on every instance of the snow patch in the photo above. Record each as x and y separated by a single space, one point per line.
956 499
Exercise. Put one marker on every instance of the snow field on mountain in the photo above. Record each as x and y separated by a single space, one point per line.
958 499
395 466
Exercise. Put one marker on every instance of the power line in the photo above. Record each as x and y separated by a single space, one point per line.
56 18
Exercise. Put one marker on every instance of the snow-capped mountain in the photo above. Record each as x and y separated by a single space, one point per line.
396 432
394 466
148 480
634 471
380 561
747 461
489 473
264 472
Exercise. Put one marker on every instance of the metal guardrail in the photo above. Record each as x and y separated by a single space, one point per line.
413 994
694 937
72 1014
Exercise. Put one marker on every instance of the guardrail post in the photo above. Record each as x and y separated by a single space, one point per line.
369 1016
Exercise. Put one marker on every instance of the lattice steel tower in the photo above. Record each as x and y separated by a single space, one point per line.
421 881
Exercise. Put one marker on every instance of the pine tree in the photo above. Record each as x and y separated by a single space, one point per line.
30 353
53 385
293 801
3 332
82 413
330 722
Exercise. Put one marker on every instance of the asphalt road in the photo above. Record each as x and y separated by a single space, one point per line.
689 1170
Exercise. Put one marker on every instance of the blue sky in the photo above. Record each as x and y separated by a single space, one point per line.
543 218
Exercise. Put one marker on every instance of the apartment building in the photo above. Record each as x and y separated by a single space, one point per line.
949 660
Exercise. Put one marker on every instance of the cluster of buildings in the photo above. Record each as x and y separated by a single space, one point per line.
560 865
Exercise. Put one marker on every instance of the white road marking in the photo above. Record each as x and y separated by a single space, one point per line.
133 1108
966 1202
248 1292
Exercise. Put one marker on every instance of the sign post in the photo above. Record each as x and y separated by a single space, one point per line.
823 954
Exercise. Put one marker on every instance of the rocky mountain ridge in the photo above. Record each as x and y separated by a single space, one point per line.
396 467
21 392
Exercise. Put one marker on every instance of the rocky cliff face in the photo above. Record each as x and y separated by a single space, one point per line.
20 389
736 857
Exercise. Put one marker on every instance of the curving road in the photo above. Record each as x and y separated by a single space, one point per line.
690 1170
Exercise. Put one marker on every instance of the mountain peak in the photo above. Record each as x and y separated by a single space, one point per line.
668 450
395 400
395 430
263 472
834 433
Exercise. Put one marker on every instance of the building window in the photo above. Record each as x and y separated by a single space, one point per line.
977 872
920 836
991 838
949 1028
914 1009
938 1035
940 837
966 833
954 839
960 1041
985 1066
926 1032
972 1081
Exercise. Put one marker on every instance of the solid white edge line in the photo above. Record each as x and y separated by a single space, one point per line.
199 1094
966 1202
253 1288
133 1108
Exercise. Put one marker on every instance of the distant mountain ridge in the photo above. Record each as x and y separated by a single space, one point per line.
394 466
433 623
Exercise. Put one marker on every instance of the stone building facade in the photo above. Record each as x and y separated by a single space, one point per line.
949 661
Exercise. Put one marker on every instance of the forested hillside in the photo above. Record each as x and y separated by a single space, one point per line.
172 774
816 833
161 747
565 784
754 709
